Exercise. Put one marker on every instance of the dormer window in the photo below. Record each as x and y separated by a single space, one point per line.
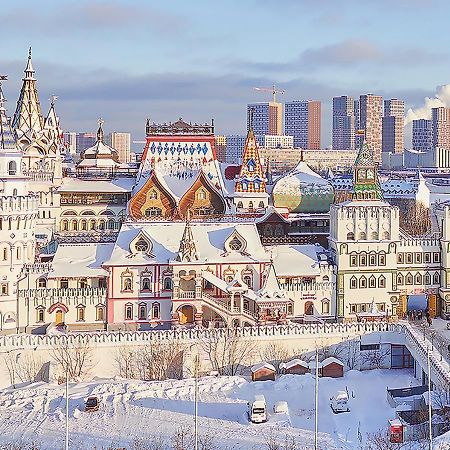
142 246
153 194
235 243
201 194
251 165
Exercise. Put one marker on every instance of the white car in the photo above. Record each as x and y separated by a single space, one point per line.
280 408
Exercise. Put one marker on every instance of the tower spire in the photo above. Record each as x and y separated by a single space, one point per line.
7 141
188 250
100 133
28 120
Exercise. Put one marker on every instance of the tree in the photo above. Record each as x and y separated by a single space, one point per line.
374 359
416 220
75 360
275 353
227 351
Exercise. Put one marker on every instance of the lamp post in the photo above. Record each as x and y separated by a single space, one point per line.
430 406
316 403
196 362
67 398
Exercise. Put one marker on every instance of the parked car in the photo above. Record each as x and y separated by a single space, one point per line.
257 410
92 404
339 402
280 407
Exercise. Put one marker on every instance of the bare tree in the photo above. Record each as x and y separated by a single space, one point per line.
381 440
275 353
374 359
75 360
182 439
416 220
153 443
227 352
10 359
28 367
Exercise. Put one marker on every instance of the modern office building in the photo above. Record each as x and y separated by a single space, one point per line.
370 120
440 124
393 126
343 137
85 140
302 121
234 147
70 142
275 141
267 118
422 135
122 143
221 147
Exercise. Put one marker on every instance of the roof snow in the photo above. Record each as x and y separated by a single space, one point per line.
118 185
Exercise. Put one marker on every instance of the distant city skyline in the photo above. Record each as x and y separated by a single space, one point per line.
80 55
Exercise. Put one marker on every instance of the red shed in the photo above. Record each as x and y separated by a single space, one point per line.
295 367
331 367
263 372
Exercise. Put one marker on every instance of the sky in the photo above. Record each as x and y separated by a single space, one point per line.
126 60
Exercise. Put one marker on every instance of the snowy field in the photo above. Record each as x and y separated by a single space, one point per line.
134 409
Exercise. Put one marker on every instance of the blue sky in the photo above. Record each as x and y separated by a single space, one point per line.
128 60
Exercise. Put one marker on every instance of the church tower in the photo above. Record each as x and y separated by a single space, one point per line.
18 212
364 235
250 185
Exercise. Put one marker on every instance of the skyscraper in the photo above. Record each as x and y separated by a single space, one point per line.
221 147
122 143
302 121
422 135
393 123
267 117
85 140
70 141
370 120
440 123
343 137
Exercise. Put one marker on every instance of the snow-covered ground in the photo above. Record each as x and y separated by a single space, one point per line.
131 409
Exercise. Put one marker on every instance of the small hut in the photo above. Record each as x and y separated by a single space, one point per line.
263 372
331 367
295 367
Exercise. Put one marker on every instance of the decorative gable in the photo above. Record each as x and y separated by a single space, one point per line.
141 244
235 243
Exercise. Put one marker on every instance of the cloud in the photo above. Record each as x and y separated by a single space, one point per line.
441 98
91 16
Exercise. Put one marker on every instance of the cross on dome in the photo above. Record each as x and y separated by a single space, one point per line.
100 133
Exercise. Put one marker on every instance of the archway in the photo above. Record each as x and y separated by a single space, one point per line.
309 308
59 317
186 314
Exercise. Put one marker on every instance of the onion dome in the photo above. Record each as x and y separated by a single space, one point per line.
303 191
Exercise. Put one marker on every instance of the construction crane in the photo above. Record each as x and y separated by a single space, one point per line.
274 91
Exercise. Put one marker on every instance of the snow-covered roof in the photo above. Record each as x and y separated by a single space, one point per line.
296 260
263 365
80 260
331 360
165 240
117 185
294 362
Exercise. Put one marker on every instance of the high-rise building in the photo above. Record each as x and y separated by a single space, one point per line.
370 120
122 143
277 141
70 141
422 135
343 137
85 140
393 125
440 123
302 121
267 117
235 147
221 147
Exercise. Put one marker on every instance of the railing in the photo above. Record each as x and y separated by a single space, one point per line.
38 267
14 204
46 293
82 237
185 295
311 287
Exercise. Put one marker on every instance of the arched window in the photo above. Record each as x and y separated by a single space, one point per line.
12 168
81 313
141 245
129 311
92 225
201 194
14 192
372 259
239 205
18 253
100 313
167 283
268 230
83 225
386 236
153 194
372 282
363 282
146 284
382 282
41 283
436 278
325 307
64 225
40 314
353 283
374 236
409 279
363 259
101 224
248 280
142 311
5 254
418 279
111 224
399 279
382 259
261 204
350 236
362 236
74 225
156 311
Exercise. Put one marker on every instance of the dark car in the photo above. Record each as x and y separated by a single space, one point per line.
92 404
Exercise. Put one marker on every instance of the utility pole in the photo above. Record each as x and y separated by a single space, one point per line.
196 362
430 406
316 396
67 399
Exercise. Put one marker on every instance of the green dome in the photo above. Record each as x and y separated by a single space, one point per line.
303 191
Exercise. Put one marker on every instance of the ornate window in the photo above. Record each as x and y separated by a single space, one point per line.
40 314
372 282
239 205
81 309
418 279
127 281
235 242
382 282
156 311
382 259
372 259
153 195
363 282
141 245
41 283
167 283
350 236
142 312
427 278
399 279
353 283
436 278
64 283
201 194
229 274
129 311
248 280
153 211
409 279
100 313
146 282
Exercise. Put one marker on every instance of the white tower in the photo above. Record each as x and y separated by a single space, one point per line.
18 212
